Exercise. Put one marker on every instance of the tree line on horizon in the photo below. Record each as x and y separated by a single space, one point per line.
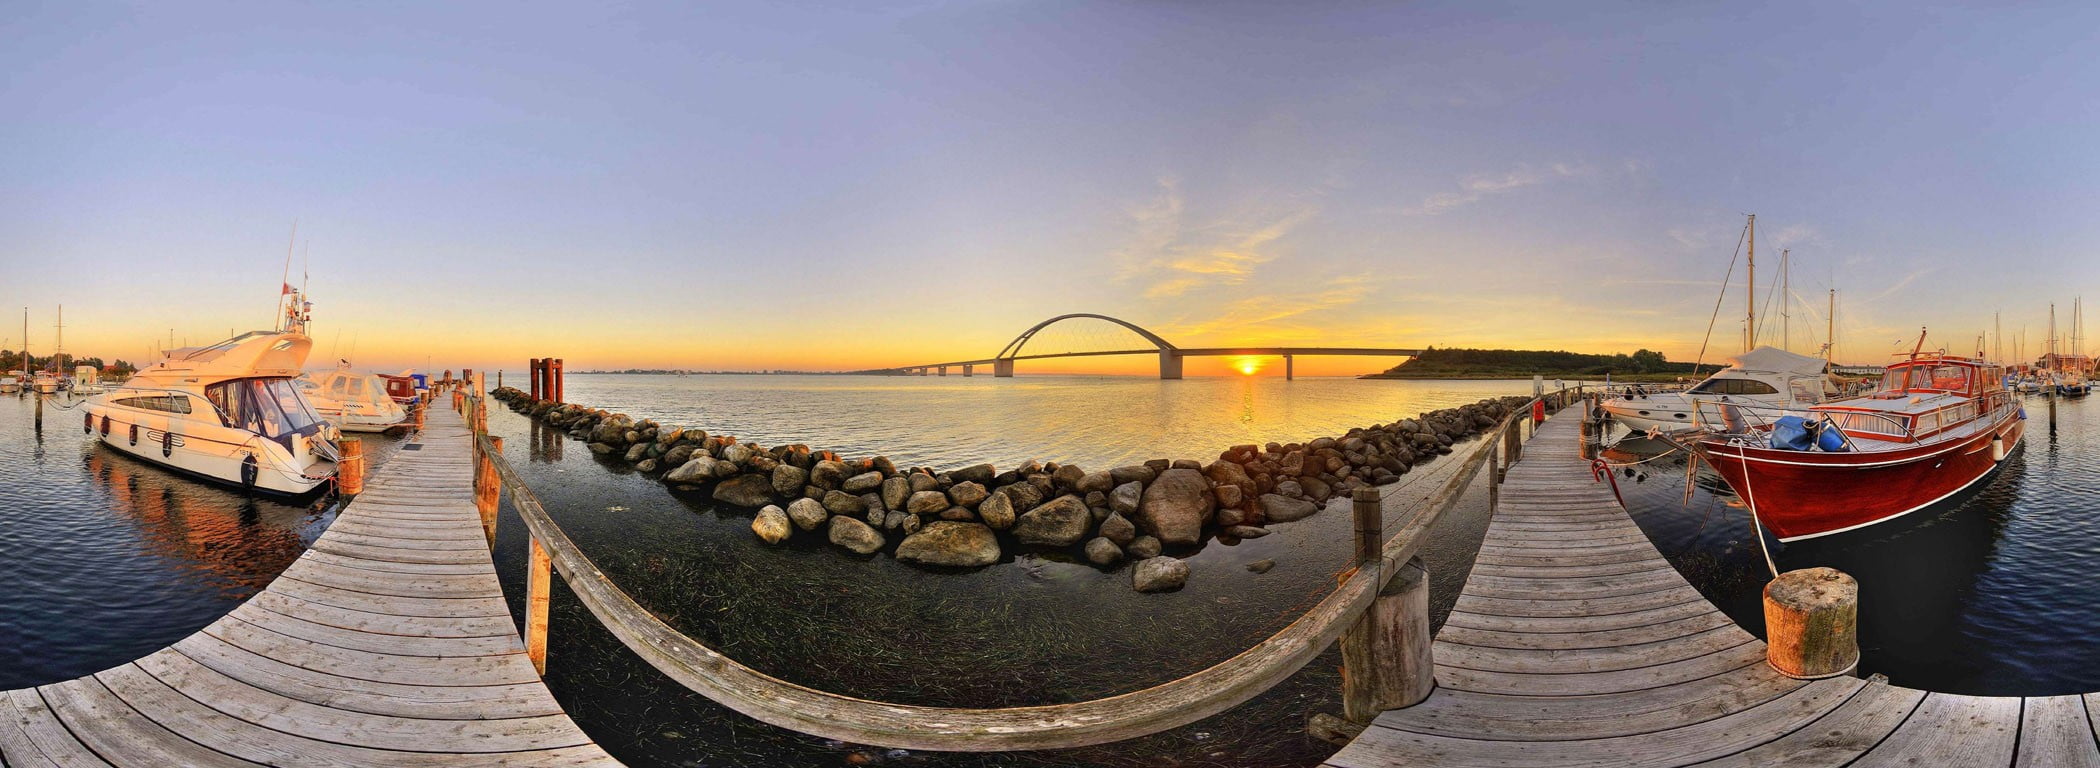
1525 362
11 360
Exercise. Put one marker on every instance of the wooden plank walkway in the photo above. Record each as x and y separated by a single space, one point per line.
387 643
1574 643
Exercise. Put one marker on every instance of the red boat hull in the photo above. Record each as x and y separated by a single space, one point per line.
1800 495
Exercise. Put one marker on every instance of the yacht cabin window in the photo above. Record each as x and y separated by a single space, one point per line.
1720 386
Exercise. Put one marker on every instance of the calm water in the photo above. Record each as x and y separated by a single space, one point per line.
1987 593
108 559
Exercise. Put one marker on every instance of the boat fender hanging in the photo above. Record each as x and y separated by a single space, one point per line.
167 444
248 471
105 425
1997 448
134 434
87 423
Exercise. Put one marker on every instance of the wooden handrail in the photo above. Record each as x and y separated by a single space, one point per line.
953 729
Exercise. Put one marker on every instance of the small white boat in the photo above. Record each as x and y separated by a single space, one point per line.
228 412
1765 377
86 380
45 383
353 402
10 385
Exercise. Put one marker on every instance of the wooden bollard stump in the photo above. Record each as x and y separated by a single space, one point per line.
350 472
1812 623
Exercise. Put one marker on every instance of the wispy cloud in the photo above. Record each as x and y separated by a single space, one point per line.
1275 314
1902 283
1475 188
1174 258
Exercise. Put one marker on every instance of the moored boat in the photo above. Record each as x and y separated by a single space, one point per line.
1765 376
228 412
353 402
1936 425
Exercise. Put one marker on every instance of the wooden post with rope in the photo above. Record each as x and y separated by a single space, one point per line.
350 472
1386 661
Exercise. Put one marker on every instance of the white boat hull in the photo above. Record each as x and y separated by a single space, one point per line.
218 457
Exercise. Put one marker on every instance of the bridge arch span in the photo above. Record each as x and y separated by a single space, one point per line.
1013 348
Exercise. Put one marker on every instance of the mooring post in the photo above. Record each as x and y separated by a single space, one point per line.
532 373
350 473
560 386
1494 476
2046 395
1386 662
538 575
40 411
1812 623
490 491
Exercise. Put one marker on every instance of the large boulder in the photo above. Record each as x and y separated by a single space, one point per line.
1284 509
997 511
1124 499
1135 473
827 474
1176 506
981 474
926 503
1061 522
967 494
843 503
1159 574
697 470
771 525
862 483
950 543
807 514
1095 481
746 490
855 535
894 491
788 480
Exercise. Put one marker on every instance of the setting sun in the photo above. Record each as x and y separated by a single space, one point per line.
1247 366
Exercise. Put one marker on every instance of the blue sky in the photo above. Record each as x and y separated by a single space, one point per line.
758 186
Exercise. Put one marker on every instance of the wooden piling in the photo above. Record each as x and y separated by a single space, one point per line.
1812 623
40 410
538 577
350 472
559 385
1386 661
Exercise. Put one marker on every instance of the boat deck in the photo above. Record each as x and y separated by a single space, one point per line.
1574 643
388 643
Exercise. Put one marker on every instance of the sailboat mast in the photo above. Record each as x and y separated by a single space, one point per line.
1998 330
1750 315
59 347
1830 339
1786 299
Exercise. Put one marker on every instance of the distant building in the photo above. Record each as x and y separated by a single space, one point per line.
1858 370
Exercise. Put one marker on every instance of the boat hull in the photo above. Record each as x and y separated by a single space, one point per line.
217 458
1802 495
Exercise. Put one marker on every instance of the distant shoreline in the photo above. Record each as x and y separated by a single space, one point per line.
1646 378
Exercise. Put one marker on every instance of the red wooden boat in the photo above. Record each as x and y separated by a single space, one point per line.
1936 425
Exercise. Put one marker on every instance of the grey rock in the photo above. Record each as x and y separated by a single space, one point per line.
862 483
807 513
1101 551
855 535
959 514
788 479
771 525
997 511
1061 522
746 490
1118 529
1284 509
827 474
1095 482
636 452
1135 473
1247 531
894 491
1124 500
981 474
926 503
699 469
1176 506
843 503
950 543
922 482
1143 547
968 493
1159 574
1261 566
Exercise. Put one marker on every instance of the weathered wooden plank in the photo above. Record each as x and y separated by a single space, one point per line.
1608 638
232 735
395 584
381 623
121 735
425 607
1659 675
272 710
1953 731
1536 558
1382 747
1546 607
33 718
1497 717
1574 660
1691 606
389 566
2056 731
406 545
394 554
400 645
1576 571
16 747
439 702
376 667
1571 587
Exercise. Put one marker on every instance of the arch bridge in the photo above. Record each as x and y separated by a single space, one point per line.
1170 356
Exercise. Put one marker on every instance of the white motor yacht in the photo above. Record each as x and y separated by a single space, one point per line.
228 412
353 402
1765 378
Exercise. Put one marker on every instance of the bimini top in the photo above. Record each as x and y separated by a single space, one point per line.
255 353
1776 360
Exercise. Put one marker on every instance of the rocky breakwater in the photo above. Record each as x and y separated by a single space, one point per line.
973 516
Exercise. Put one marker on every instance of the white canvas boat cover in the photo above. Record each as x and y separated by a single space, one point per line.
1776 360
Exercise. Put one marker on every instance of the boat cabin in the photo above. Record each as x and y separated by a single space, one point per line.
1922 399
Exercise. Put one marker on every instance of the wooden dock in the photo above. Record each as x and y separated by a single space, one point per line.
388 643
1574 643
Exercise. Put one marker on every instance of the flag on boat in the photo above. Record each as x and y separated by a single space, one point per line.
287 289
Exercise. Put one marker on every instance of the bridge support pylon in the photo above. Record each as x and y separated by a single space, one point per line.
1003 368
1288 374
944 370
1169 364
969 370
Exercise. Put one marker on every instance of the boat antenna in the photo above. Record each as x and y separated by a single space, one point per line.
285 282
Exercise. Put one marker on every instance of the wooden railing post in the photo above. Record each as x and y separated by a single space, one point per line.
488 488
1386 662
1494 476
537 577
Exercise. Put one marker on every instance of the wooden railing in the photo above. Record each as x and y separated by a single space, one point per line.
1379 613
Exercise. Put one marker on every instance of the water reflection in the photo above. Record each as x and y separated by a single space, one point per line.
234 544
1984 593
